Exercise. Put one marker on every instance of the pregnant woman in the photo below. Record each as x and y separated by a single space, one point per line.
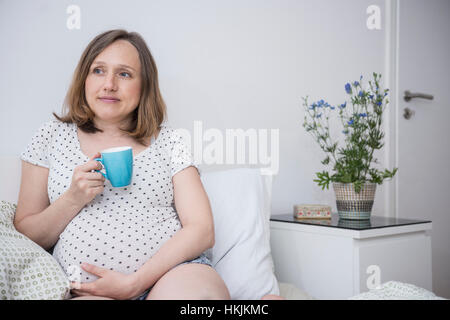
143 241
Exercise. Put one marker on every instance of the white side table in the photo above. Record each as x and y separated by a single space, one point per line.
337 259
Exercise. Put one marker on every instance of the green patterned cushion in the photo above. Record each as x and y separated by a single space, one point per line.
27 271
394 290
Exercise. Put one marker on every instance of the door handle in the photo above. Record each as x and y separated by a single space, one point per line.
408 96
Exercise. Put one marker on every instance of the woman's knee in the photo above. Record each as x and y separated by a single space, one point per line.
188 293
219 293
190 282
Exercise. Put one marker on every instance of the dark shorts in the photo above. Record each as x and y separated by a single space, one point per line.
203 259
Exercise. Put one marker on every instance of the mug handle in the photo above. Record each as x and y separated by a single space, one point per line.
101 161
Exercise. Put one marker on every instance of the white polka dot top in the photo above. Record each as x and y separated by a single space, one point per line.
121 228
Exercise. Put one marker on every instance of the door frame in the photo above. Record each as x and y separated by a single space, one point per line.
392 116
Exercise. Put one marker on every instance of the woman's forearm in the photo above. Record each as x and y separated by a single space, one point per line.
186 244
45 227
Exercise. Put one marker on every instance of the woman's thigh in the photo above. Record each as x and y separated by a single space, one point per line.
191 281
91 298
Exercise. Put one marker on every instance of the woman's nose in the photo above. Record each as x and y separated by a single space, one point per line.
110 83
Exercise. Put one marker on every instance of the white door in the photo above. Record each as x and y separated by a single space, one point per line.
424 139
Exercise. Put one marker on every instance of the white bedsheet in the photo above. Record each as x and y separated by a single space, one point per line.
291 292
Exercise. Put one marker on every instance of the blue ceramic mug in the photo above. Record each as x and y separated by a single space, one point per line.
118 165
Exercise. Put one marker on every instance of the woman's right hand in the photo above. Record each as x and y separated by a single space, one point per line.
86 185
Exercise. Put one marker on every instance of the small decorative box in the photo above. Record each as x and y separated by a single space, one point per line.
312 211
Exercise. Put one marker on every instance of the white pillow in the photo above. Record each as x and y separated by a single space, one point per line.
240 202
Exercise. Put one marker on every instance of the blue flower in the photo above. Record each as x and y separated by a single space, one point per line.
319 115
348 88
356 83
320 103
371 96
342 106
360 93
363 115
379 103
332 108
345 131
350 122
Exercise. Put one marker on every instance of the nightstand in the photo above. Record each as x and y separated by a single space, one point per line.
337 259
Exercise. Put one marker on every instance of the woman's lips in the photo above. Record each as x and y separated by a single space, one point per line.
107 100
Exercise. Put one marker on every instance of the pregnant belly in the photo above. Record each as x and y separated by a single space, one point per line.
119 245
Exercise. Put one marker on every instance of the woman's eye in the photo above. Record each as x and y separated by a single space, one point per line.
125 74
122 74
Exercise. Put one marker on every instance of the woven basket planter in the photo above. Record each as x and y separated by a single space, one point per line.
352 205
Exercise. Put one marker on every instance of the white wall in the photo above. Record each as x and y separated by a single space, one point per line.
230 64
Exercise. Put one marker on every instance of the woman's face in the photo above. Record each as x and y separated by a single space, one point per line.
113 85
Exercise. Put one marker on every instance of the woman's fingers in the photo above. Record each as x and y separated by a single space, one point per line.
97 155
86 183
90 165
94 176
94 183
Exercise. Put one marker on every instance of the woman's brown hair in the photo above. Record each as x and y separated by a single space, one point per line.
151 111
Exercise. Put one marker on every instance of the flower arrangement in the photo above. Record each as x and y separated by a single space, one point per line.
361 121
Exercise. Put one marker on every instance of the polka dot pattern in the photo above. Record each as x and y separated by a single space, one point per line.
121 228
26 270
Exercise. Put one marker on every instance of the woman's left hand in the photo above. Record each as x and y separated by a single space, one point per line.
111 284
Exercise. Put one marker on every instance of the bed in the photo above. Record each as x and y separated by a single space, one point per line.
240 200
